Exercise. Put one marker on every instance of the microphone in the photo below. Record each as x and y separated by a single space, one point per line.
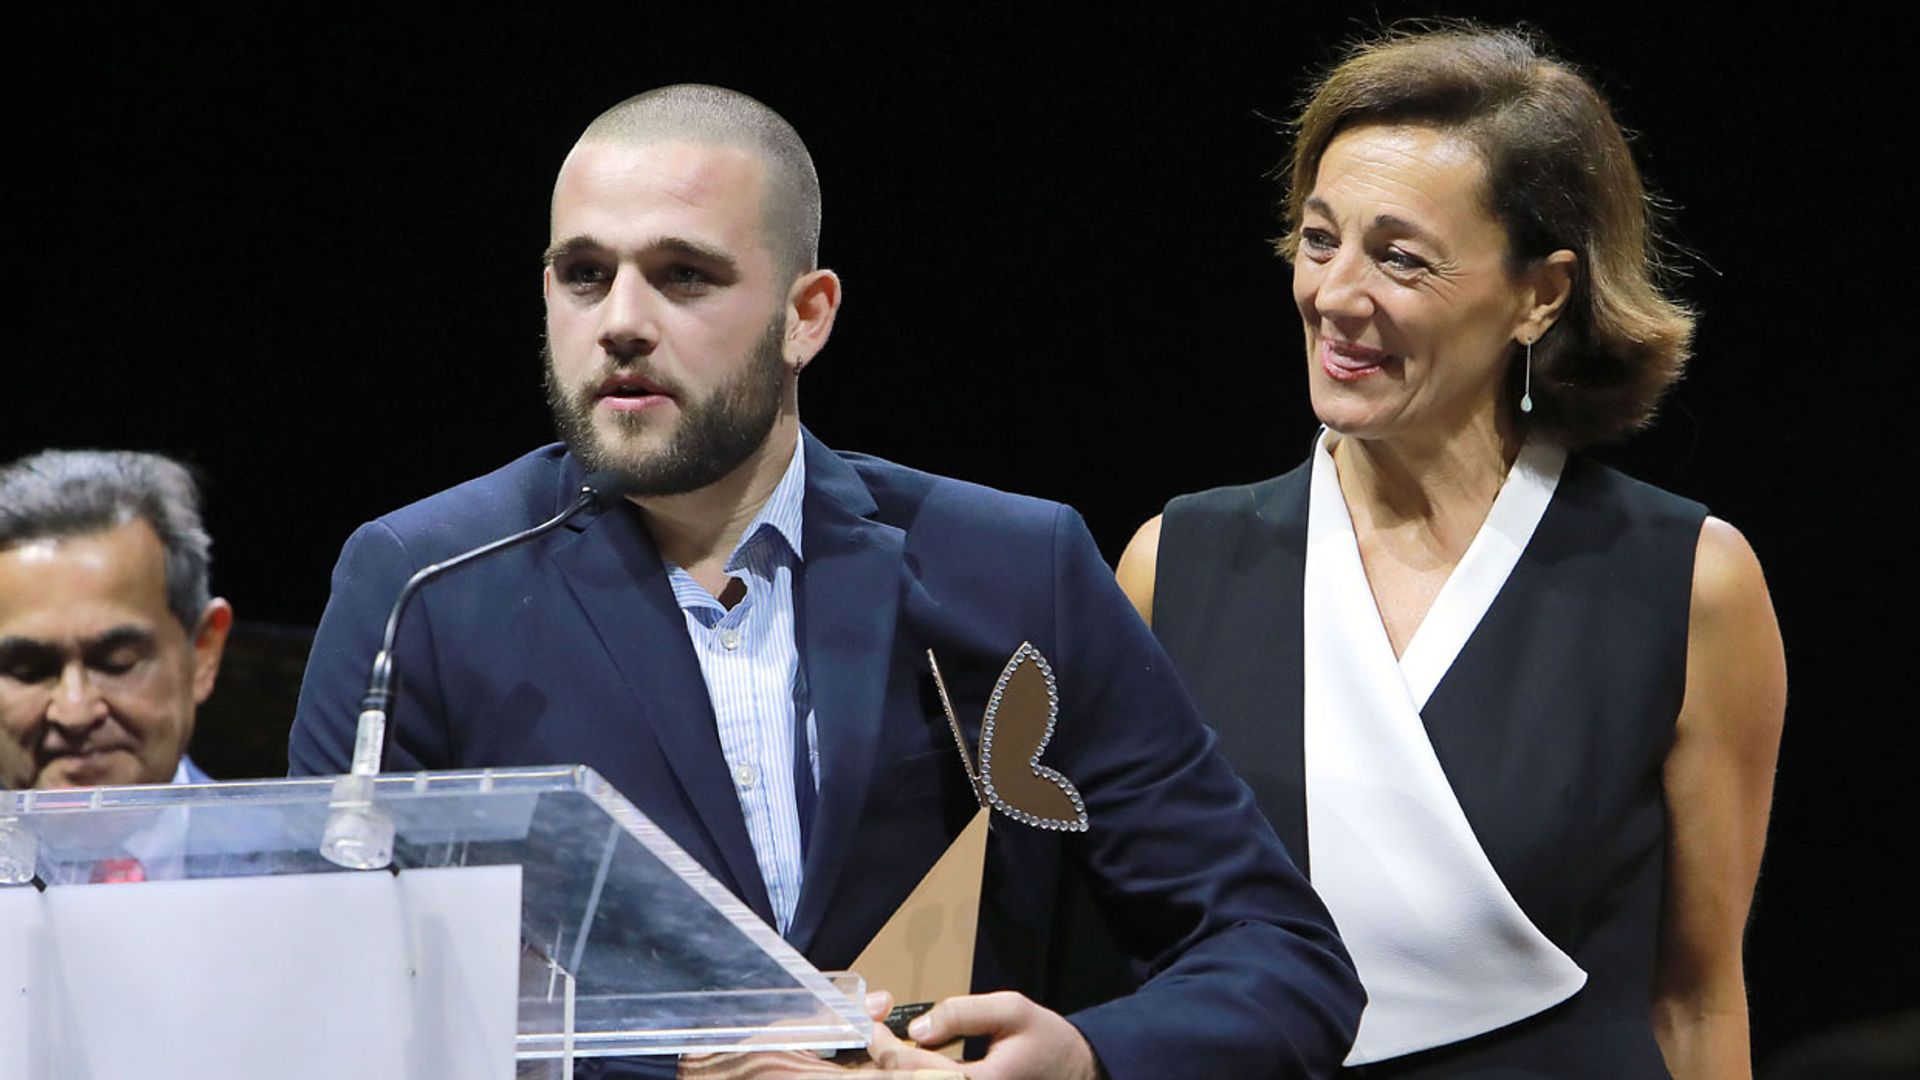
359 835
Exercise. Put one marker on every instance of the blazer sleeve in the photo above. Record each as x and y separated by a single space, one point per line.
1245 974
373 567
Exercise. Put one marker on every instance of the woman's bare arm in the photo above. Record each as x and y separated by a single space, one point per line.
1137 566
1719 785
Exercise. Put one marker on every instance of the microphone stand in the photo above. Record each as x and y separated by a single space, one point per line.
359 835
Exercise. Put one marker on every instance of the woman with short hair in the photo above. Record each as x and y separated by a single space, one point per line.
1516 713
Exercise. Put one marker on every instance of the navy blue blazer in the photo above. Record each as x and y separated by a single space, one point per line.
572 649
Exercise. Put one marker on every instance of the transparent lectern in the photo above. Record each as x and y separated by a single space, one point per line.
624 944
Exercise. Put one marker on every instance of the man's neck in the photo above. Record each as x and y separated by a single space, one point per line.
698 530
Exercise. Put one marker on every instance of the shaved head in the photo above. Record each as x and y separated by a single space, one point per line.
695 113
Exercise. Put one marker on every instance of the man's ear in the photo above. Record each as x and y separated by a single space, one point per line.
812 304
1551 282
209 644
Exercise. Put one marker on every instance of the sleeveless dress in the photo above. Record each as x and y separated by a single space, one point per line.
1551 726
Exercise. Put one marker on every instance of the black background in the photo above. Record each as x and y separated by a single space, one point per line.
301 251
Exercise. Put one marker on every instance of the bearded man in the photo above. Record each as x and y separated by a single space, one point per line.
740 645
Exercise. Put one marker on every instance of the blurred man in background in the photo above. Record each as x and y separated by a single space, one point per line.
109 636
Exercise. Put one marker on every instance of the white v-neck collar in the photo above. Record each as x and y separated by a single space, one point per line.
1482 572
1442 947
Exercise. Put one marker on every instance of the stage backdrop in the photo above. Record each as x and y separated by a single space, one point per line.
302 251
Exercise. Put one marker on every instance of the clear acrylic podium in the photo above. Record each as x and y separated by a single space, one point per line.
627 946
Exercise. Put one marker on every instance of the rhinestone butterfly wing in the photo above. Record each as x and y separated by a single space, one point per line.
1014 732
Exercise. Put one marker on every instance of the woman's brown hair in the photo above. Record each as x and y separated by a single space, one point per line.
1559 175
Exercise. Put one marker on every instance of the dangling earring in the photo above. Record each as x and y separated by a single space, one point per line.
1526 392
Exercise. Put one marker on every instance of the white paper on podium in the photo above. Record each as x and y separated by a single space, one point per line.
300 977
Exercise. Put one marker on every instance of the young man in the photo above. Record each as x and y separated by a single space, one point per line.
740 645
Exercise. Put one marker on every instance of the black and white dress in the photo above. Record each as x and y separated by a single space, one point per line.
1483 815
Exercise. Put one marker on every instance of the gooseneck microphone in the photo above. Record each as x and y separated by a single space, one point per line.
358 834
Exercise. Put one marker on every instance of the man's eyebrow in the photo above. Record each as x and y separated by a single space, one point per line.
671 245
118 637
24 646
714 257
15 648
572 245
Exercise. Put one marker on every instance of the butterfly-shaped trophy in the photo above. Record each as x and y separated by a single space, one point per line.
1015 731
925 951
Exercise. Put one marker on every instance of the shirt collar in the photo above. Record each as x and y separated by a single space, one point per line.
781 512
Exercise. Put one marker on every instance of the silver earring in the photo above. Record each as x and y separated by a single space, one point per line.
1526 393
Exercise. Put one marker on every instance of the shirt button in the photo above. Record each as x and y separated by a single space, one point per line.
746 775
730 638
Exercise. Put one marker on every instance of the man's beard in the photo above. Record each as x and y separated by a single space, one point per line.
715 435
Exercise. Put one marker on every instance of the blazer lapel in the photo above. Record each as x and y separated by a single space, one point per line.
851 583
616 574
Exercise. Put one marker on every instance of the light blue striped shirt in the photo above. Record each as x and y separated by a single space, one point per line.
751 663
